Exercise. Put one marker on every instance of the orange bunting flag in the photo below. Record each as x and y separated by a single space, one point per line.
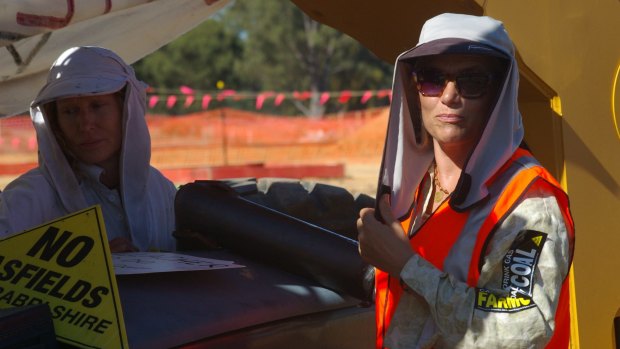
225 94
279 99
188 101
385 93
172 100
260 99
186 90
344 96
324 98
205 101
302 96
153 101
366 96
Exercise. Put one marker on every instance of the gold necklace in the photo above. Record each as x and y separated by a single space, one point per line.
438 183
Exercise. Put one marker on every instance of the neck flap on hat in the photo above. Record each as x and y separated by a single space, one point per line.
408 151
87 71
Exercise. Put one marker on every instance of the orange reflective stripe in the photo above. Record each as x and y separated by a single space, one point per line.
435 238
561 333
388 292
433 242
512 193
383 304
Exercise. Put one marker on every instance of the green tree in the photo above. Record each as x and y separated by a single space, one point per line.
286 50
199 59
268 45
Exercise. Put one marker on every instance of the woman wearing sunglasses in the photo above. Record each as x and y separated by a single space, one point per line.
94 148
472 239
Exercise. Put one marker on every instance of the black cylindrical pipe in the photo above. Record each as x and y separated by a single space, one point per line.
214 209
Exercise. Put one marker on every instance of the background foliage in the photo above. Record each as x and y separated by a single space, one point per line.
267 45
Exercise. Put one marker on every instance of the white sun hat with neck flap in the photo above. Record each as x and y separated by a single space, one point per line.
408 152
89 71
83 71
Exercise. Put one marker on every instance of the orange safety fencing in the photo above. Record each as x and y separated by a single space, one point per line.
227 138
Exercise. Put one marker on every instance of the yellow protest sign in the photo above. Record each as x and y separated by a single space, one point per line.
66 264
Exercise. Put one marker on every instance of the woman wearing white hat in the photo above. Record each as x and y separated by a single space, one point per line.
94 148
472 238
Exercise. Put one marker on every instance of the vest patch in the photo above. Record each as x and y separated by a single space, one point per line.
517 275
520 262
488 301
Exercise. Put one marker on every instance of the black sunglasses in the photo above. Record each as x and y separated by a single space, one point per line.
469 84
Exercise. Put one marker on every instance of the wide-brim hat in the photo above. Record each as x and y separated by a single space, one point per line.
453 46
82 71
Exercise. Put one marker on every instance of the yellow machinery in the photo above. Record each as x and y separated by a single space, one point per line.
569 55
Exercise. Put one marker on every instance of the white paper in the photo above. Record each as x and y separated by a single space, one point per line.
162 262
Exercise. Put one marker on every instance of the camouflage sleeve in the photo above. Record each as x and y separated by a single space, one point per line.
517 295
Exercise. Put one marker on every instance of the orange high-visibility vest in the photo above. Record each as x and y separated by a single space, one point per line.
518 175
